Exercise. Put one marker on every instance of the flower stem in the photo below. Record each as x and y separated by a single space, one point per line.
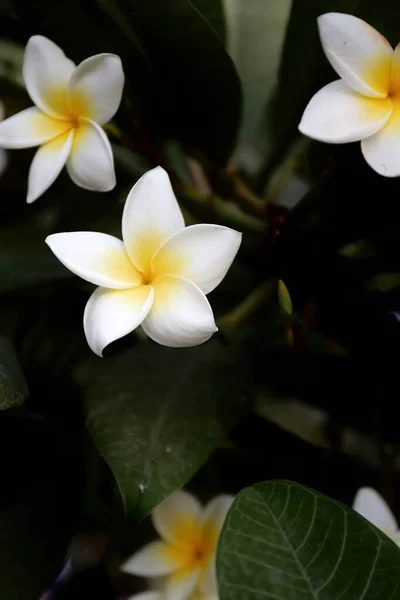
242 313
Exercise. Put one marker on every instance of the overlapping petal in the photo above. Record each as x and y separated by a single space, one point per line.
155 560
181 315
201 253
181 584
47 72
337 114
151 214
357 52
175 518
112 314
95 89
91 164
47 165
29 128
97 257
382 150
373 507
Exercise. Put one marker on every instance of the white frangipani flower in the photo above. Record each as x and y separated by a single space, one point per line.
157 277
365 103
72 102
185 555
373 507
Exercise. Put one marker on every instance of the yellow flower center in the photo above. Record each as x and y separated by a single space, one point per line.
76 106
197 544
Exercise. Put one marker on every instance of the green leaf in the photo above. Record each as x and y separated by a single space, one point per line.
384 282
13 388
359 249
18 271
199 96
283 541
213 12
156 414
285 301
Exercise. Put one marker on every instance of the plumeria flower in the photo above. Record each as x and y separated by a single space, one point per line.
196 595
373 507
185 555
157 277
72 102
365 103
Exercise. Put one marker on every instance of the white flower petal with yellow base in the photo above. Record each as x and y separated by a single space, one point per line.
181 584
373 507
47 165
181 315
357 52
95 89
96 257
30 128
382 150
91 164
47 72
155 560
337 114
201 253
175 515
112 314
151 214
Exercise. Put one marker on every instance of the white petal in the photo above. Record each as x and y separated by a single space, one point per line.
146 596
29 128
201 253
47 72
111 314
337 114
382 150
357 52
91 163
181 315
176 515
154 560
47 165
181 585
151 215
95 88
208 584
373 507
97 257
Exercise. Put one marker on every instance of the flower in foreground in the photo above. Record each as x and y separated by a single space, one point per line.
365 103
373 507
157 277
72 102
185 555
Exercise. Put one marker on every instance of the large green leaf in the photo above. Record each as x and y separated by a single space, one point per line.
13 388
18 271
283 541
199 97
157 413
304 67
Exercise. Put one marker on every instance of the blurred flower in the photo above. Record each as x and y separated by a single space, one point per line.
364 104
373 507
3 155
157 277
71 105
185 555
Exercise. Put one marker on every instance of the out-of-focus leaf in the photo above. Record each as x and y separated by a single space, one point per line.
11 57
256 31
213 12
283 540
13 388
18 271
358 249
285 301
157 413
384 282
199 90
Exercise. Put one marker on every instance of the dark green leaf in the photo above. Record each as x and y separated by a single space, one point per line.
13 388
283 541
213 12
18 271
199 98
157 413
384 282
